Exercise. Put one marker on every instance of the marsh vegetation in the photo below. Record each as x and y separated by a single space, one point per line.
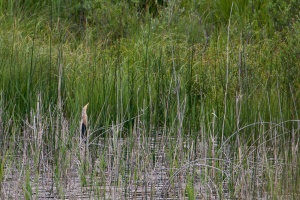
187 99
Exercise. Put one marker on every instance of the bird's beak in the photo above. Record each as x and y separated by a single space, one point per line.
86 106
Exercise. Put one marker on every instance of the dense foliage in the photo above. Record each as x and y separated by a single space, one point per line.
124 55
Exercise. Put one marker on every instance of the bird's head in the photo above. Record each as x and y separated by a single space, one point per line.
85 107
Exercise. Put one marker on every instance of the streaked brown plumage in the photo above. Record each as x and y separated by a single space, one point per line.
84 122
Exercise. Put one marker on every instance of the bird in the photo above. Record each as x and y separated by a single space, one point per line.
84 123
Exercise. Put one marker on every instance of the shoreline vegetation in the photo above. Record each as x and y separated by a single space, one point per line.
187 99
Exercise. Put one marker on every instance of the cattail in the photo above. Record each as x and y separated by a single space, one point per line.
84 122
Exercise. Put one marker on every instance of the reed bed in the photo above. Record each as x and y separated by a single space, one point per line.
187 100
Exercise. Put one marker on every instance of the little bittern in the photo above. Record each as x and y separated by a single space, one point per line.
84 122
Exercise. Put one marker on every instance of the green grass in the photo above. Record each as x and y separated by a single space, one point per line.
205 90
